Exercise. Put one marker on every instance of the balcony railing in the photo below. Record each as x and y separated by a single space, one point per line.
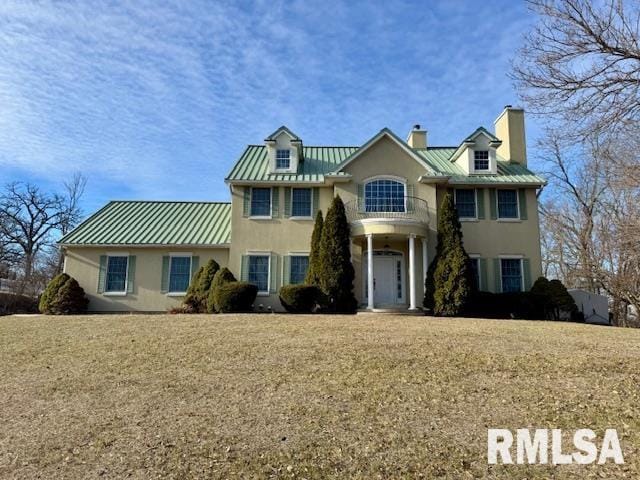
409 208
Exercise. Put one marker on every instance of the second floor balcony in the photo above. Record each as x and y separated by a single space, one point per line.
400 208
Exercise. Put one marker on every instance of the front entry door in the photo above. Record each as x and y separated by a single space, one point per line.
388 275
385 283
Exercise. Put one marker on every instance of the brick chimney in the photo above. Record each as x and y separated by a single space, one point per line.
509 127
417 137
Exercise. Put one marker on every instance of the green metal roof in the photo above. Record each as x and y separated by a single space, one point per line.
121 223
318 162
438 159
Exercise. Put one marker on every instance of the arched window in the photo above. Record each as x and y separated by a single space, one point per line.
384 195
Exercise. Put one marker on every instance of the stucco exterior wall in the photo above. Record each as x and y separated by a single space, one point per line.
490 239
83 264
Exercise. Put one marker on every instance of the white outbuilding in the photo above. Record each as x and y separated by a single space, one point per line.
595 307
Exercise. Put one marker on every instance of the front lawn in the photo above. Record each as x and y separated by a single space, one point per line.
275 396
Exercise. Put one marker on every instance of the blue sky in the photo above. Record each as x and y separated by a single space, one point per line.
157 100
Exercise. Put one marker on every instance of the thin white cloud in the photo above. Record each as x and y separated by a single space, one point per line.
157 100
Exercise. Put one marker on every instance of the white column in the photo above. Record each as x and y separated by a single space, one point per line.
412 272
370 270
425 261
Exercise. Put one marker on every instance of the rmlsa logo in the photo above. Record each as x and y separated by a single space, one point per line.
535 449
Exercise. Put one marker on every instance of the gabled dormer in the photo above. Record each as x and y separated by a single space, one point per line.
476 155
284 149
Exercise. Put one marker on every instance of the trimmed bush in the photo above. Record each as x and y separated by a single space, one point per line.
449 283
520 305
336 270
63 296
299 298
10 304
556 300
235 297
222 277
198 292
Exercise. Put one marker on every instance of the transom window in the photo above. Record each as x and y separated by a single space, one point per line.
258 273
481 159
260 202
507 204
283 159
299 266
511 273
179 274
116 274
384 196
301 202
466 203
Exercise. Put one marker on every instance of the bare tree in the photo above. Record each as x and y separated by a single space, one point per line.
29 221
591 221
581 63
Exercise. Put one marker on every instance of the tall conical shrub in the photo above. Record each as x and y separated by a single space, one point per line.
336 271
449 282
63 296
198 291
313 272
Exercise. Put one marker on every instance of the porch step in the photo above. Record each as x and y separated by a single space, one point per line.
391 311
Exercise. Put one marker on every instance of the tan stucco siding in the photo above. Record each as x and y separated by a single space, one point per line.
279 235
490 239
83 264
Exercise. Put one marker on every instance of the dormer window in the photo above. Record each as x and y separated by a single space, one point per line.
481 160
283 159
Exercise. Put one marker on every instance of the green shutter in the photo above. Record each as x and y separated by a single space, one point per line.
102 273
360 197
480 202
316 201
131 273
526 274
195 265
244 268
273 272
493 203
522 203
286 270
164 282
496 274
275 202
483 274
246 206
287 202
410 195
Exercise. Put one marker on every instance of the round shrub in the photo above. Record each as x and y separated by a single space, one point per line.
299 298
222 277
198 292
63 296
235 297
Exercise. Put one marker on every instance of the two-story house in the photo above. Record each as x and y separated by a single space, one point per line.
141 256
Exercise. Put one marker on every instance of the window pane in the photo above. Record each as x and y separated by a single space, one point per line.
299 266
259 272
384 196
179 274
466 203
511 275
260 202
475 268
507 204
283 159
301 202
481 159
116 274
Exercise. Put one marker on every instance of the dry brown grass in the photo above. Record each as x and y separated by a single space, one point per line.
303 396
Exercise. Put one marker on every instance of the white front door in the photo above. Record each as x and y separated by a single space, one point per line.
388 278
